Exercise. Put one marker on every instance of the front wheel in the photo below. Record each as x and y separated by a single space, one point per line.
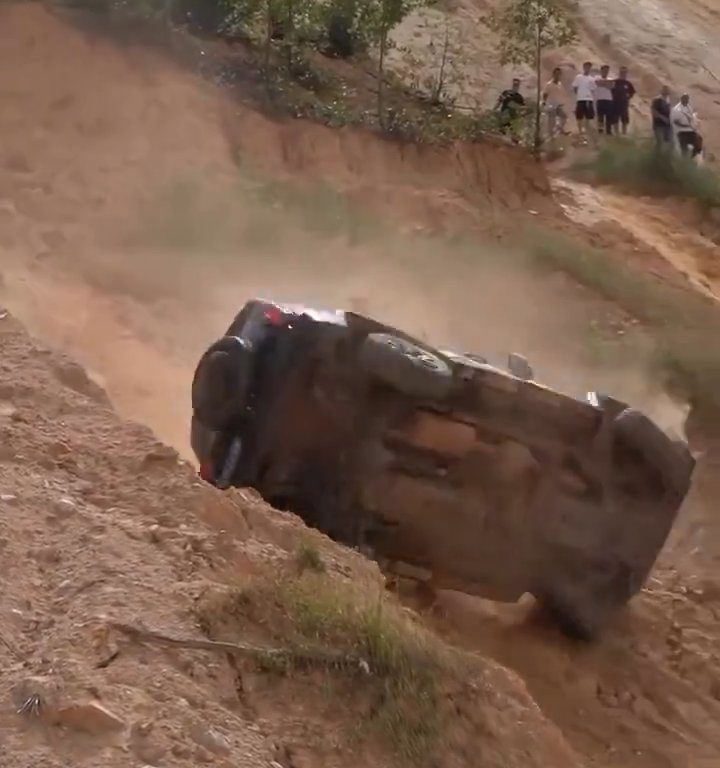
406 367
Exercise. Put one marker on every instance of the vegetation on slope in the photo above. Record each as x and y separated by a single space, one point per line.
403 667
639 167
683 324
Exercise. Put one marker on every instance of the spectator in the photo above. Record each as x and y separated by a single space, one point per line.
604 101
684 121
661 123
553 99
584 90
622 92
510 104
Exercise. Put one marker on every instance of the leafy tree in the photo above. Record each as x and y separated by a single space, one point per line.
524 29
438 70
377 19
349 25
292 21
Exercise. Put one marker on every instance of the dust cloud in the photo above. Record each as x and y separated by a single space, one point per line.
468 296
144 214
134 225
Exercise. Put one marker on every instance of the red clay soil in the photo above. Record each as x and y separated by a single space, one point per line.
98 519
99 523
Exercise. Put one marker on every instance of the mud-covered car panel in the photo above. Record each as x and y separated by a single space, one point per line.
443 464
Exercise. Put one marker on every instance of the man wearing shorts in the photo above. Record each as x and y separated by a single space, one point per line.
584 90
604 104
622 93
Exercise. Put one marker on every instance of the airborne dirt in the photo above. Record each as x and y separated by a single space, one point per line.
139 209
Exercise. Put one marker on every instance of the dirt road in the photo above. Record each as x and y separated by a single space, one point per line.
129 238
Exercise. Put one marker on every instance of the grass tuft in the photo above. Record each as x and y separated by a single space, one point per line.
640 167
309 558
684 324
405 663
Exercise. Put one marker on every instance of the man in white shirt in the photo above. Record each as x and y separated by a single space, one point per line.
604 101
684 121
584 90
553 99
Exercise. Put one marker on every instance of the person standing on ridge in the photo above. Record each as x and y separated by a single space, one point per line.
684 121
622 93
553 100
584 90
604 103
510 104
661 123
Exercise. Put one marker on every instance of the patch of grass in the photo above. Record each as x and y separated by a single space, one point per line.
405 660
406 663
684 325
309 558
640 167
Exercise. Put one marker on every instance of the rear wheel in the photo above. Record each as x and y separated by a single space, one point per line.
405 366
583 613
576 622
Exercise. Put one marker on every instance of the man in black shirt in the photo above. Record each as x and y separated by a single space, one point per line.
662 126
622 92
510 104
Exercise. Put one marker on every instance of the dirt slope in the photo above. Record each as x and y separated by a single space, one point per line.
111 247
71 109
102 524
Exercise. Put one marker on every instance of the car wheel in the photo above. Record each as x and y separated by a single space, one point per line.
405 366
222 382
671 458
573 621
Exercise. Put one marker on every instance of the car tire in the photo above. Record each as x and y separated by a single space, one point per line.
406 367
671 458
573 622
222 382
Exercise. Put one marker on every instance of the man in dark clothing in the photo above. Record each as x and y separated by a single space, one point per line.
511 98
623 91
661 124
510 104
604 103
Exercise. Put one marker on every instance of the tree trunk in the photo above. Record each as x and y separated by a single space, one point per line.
440 85
268 43
381 78
289 35
537 142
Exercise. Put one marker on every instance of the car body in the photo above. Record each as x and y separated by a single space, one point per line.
446 469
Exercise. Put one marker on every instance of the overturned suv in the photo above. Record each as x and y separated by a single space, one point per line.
443 467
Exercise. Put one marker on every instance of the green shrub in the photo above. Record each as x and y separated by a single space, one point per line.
405 664
641 167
